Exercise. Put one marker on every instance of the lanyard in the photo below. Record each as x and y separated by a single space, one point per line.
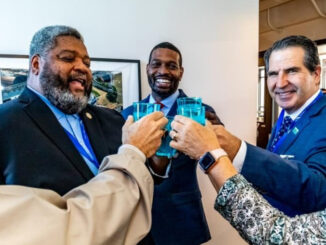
292 126
91 157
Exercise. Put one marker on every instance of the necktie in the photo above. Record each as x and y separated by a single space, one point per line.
287 121
159 103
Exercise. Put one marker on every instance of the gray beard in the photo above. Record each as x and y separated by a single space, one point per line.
65 100
56 90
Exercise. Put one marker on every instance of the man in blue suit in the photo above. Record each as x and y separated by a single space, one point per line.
177 213
291 173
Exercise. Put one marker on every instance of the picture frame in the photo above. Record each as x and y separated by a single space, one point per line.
116 82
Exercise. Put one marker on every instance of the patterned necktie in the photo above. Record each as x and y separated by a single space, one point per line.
287 121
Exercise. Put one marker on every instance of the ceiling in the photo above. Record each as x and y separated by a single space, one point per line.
280 18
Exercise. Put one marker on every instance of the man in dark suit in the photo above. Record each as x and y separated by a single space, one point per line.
50 137
291 173
177 213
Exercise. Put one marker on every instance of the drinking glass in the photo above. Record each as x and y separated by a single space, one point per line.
187 101
143 109
165 149
192 107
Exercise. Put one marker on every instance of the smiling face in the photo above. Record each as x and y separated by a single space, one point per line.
289 82
65 76
164 73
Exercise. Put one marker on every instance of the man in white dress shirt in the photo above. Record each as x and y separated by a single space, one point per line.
291 171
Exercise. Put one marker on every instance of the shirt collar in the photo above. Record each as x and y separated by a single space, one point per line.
57 112
167 102
295 114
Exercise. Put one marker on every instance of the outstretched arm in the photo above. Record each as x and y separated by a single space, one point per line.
112 208
256 220
259 223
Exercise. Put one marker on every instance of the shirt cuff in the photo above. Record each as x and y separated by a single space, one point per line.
166 175
240 157
135 149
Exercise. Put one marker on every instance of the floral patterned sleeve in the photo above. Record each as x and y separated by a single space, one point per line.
259 223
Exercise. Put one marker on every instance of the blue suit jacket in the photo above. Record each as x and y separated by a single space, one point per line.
177 213
296 185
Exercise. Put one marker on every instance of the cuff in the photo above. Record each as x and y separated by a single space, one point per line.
123 149
134 148
240 157
166 175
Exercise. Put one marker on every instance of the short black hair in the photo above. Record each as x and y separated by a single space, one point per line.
311 58
167 45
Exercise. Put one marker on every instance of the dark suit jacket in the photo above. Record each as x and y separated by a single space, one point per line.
177 212
35 150
298 184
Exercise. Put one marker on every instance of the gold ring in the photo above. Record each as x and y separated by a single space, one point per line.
174 136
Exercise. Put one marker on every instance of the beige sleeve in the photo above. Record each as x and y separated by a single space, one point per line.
113 208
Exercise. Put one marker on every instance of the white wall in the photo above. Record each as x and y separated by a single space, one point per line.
218 40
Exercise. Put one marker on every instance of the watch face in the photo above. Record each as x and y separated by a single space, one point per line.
206 161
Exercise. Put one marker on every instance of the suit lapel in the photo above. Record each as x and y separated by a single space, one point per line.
301 124
293 135
39 112
271 137
95 134
146 100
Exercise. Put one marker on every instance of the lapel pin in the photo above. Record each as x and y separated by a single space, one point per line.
295 130
89 115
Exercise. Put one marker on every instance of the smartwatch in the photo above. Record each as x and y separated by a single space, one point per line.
210 158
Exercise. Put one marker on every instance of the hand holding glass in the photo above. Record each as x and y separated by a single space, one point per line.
165 150
143 109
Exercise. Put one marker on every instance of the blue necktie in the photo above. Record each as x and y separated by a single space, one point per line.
287 121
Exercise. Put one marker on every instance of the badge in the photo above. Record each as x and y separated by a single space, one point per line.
89 115
295 130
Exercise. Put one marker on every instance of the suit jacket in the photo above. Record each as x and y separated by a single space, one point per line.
35 150
177 212
297 184
83 216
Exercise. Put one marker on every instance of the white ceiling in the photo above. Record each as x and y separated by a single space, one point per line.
280 18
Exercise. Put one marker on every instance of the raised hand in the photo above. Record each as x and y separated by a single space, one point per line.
192 138
145 133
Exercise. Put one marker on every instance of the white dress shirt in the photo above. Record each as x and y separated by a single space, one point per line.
241 155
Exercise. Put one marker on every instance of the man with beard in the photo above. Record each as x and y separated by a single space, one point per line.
113 208
50 137
177 213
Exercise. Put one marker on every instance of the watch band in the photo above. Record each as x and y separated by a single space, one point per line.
209 159
218 153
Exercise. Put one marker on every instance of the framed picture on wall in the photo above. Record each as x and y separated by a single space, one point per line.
13 75
116 82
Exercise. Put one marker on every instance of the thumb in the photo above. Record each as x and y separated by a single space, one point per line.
209 124
129 121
